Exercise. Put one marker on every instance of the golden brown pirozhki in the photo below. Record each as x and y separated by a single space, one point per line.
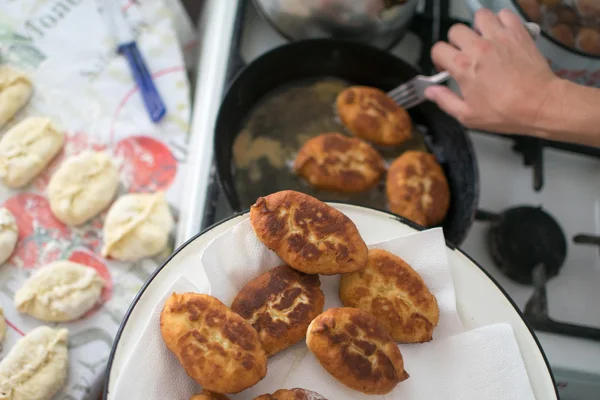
417 188
336 162
395 294
356 350
280 304
370 114
206 395
216 347
309 235
291 394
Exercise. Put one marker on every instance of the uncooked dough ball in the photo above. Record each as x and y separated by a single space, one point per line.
36 367
9 234
137 226
82 187
15 92
26 149
59 292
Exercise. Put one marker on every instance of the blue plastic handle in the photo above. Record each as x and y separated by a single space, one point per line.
154 104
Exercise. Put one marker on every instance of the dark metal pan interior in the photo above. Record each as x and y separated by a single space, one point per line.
287 96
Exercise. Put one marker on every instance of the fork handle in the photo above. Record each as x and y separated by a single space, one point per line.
440 77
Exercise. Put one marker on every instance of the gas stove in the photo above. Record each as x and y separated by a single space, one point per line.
570 297
537 231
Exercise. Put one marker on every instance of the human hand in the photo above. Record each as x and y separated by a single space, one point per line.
503 78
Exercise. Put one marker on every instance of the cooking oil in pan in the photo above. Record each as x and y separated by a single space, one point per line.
276 128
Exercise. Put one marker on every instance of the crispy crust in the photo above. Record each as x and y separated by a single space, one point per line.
206 395
280 304
291 394
216 347
309 235
370 114
336 162
395 294
417 188
356 350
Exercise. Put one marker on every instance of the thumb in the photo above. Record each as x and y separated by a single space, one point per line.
447 100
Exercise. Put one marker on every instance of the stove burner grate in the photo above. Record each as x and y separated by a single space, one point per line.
521 238
536 312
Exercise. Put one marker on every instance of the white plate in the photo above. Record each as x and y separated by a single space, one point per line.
479 299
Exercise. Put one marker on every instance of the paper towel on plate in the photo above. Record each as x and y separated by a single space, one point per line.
152 371
484 363
238 256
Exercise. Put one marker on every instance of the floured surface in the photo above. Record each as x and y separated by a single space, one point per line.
86 89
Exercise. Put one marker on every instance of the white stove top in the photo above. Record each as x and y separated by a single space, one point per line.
571 194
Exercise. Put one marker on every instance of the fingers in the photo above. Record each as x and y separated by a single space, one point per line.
486 22
449 58
447 100
442 55
510 20
462 36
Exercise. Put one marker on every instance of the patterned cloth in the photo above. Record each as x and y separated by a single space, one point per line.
86 88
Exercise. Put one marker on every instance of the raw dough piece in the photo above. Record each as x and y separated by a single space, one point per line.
36 367
137 226
61 291
82 187
9 234
15 92
26 149
2 327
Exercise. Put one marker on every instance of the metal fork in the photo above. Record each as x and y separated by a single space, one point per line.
412 93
